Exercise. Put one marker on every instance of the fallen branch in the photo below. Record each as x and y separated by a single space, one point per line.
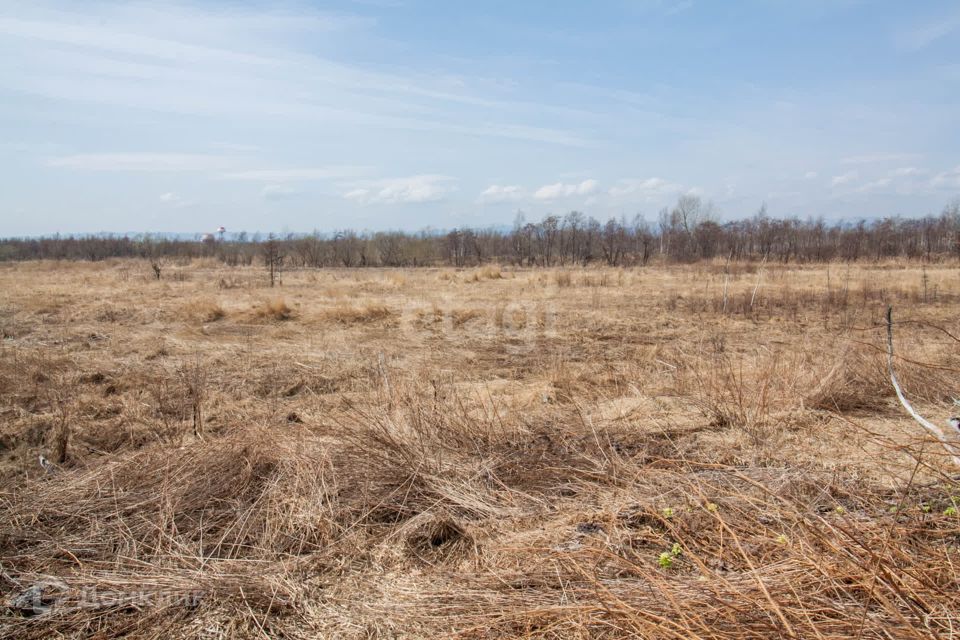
926 424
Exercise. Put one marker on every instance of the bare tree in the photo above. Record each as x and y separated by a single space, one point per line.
273 259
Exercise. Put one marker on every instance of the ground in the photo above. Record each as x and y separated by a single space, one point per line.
692 451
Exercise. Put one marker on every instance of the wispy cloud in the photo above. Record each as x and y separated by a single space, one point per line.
303 174
644 188
926 34
678 6
148 161
496 193
874 185
278 192
561 190
413 189
172 199
88 34
235 147
903 172
947 179
845 178
238 64
876 158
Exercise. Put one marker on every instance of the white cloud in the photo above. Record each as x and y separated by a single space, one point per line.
947 179
810 175
172 199
645 187
904 172
502 193
563 190
846 178
874 185
143 162
413 189
278 192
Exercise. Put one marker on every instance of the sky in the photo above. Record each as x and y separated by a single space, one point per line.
409 114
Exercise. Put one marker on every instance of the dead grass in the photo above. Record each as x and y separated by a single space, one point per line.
488 272
274 309
203 311
367 314
598 461
563 278
460 317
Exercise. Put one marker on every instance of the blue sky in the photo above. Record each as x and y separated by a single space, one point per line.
378 114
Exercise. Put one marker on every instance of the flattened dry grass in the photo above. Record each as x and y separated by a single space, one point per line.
526 533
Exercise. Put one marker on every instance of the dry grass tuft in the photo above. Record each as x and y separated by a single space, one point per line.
460 317
603 279
488 272
368 314
856 381
203 311
274 309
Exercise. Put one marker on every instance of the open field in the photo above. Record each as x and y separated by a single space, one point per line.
667 452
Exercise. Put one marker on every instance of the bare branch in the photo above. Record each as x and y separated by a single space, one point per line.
926 424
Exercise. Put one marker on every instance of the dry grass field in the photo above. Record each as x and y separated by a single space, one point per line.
668 452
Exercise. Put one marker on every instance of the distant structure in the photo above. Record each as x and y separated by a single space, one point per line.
210 238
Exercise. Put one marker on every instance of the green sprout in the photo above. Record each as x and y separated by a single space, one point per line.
711 507
665 560
950 511
924 507
668 512
782 539
840 510
676 549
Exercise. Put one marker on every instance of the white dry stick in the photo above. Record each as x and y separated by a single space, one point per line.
926 424
46 465
726 280
382 366
757 287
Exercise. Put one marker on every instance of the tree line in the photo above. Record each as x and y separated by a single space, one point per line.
686 232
